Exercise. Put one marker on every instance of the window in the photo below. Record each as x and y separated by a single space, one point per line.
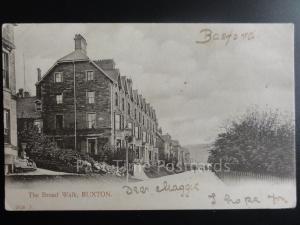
91 119
5 70
92 146
143 120
59 99
58 77
116 99
117 122
90 97
38 124
128 108
118 144
144 136
136 132
59 121
140 119
6 121
135 114
129 125
122 122
137 152
123 104
38 106
89 75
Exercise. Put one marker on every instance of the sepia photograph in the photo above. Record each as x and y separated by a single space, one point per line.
148 116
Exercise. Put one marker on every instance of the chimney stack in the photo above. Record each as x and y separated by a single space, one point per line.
80 43
26 94
39 72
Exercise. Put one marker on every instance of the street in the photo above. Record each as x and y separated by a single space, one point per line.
187 190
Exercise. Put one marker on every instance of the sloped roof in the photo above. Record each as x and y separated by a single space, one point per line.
26 108
106 64
76 55
166 137
112 73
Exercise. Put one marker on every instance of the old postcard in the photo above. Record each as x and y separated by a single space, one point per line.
148 116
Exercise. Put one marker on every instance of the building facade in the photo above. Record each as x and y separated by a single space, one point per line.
102 102
9 97
165 146
28 112
170 150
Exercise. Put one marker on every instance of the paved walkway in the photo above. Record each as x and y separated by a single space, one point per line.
40 171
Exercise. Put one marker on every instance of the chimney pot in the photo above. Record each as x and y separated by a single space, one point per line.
26 94
80 43
39 74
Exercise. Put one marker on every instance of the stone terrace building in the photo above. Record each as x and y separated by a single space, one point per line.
28 112
9 97
103 102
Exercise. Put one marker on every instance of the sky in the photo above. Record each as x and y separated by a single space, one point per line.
194 80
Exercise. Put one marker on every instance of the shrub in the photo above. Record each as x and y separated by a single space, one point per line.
259 142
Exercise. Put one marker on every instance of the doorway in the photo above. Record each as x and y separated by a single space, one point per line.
92 146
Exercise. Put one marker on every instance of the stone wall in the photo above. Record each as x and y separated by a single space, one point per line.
101 85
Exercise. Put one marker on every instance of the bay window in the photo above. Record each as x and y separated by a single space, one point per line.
5 69
6 121
117 122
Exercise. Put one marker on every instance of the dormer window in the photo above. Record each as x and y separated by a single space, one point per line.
58 77
89 75
116 99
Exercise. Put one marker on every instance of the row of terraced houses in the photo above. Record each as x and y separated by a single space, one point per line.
103 103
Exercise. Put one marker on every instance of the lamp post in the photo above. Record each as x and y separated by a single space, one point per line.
128 139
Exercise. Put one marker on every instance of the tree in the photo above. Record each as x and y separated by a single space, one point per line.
44 152
37 143
259 142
